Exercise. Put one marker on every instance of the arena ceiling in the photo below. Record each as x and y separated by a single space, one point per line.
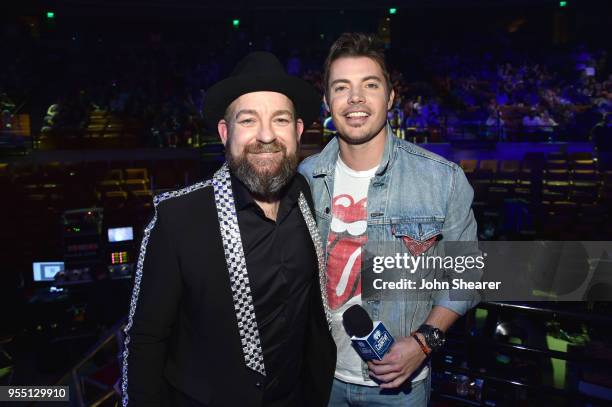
184 8
304 4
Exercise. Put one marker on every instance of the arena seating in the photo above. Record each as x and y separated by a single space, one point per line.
567 196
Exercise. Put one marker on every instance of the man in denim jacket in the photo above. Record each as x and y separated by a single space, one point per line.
371 187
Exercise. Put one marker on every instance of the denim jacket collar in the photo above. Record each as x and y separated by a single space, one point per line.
326 161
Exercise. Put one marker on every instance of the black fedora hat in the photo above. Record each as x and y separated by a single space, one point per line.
257 72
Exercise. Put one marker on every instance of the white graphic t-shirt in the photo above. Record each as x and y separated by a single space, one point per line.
345 243
346 240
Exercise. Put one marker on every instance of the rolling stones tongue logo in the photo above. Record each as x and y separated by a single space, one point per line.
345 242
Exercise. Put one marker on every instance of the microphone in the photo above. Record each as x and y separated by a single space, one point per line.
370 339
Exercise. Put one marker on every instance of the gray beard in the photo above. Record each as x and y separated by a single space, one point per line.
265 186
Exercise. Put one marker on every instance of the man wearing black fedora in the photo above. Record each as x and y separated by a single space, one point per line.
228 306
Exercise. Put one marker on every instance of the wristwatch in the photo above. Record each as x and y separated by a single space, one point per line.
434 338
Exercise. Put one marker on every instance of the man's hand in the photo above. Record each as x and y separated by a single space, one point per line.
404 357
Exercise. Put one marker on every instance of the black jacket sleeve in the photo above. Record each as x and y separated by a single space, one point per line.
157 291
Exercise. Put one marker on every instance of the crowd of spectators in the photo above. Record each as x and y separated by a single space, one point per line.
17 77
161 87
511 95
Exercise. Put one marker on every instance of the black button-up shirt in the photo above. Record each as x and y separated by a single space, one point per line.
281 263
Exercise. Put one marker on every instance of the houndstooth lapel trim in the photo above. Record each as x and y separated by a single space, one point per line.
313 230
237 269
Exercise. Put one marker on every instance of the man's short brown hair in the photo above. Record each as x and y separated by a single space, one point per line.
357 45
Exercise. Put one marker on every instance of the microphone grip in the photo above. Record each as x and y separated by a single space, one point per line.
375 344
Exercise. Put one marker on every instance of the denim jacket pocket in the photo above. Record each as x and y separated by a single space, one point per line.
417 230
418 237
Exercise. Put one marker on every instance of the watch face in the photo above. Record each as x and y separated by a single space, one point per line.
438 337
433 336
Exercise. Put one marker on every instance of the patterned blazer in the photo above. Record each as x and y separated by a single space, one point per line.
189 328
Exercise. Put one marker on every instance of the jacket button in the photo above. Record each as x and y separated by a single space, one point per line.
327 210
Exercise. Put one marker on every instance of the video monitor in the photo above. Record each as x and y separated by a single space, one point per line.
122 234
46 271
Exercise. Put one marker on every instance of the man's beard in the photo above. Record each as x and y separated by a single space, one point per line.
266 184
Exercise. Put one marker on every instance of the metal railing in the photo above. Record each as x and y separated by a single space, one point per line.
77 378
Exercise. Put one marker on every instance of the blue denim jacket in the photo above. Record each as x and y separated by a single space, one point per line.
414 193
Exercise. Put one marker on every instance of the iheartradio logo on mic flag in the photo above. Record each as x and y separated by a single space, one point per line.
347 236
374 345
370 339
